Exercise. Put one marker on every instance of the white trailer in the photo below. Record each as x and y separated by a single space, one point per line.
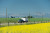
23 20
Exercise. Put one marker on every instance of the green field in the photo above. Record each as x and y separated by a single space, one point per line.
12 20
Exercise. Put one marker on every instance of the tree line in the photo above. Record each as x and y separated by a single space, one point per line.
24 17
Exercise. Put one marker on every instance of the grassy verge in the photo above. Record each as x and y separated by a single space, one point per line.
13 20
16 24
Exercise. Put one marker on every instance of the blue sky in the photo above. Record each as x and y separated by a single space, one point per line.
22 7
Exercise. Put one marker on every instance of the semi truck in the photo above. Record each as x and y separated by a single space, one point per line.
22 20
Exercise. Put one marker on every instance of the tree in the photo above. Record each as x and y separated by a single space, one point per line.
12 17
25 17
30 17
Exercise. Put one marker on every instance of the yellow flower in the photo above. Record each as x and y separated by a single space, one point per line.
33 28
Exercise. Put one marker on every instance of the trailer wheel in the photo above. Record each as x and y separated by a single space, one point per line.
18 22
23 22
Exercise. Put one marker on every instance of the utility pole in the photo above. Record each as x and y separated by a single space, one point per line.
6 13
42 19
6 17
29 16
0 24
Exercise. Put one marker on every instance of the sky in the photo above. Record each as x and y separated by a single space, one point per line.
21 8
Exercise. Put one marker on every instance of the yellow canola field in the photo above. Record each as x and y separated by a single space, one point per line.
33 28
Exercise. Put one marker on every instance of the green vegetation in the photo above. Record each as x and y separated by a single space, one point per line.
15 20
39 19
11 20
